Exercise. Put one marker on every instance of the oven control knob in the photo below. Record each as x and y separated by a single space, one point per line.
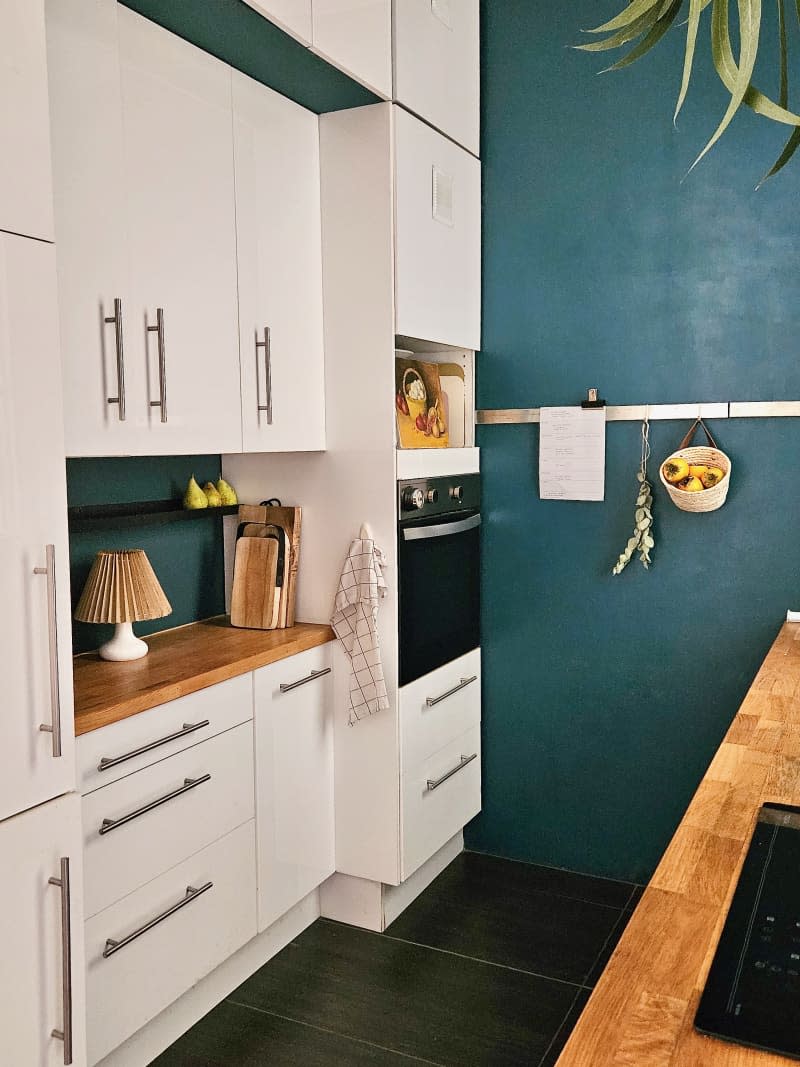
432 496
413 498
457 492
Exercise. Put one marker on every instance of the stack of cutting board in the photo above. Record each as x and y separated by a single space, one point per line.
265 566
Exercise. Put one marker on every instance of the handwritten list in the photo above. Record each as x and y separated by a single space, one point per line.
572 453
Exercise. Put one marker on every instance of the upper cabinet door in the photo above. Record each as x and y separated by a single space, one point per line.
91 234
26 197
356 36
280 271
35 626
437 236
39 922
294 16
437 65
181 223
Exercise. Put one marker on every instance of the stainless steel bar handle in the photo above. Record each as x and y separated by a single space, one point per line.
432 701
287 687
188 783
442 529
65 1035
188 728
436 782
162 365
54 726
113 946
266 344
116 318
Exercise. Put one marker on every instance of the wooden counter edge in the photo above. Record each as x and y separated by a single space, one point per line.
299 638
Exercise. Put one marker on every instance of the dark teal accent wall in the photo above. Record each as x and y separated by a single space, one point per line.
235 33
605 697
187 557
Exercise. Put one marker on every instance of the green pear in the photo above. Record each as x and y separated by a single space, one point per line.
212 496
194 497
227 493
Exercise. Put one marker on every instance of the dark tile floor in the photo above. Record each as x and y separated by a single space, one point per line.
491 965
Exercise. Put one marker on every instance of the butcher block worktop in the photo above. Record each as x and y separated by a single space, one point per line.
642 1010
180 661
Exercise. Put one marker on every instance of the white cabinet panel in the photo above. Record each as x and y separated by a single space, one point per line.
437 237
437 65
144 824
176 113
356 36
126 989
88 182
32 515
26 196
280 270
33 935
118 750
294 16
294 781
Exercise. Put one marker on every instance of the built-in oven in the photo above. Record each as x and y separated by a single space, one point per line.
439 571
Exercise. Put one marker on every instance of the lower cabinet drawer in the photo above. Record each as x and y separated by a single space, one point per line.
439 707
114 751
165 937
439 798
142 825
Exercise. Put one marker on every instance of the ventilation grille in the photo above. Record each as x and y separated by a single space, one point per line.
442 197
441 9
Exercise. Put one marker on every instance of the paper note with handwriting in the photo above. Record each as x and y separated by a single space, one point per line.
572 453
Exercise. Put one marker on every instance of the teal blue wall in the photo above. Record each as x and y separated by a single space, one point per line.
605 697
186 556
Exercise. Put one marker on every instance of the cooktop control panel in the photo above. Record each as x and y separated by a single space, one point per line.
419 497
752 996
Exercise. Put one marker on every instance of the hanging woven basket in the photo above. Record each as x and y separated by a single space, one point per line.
697 455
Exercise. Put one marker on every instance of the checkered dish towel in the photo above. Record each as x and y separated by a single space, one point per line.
361 588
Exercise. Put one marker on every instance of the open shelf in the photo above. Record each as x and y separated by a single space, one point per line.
436 462
140 513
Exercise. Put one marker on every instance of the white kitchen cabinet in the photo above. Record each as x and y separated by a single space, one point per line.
294 780
144 208
279 240
179 193
26 196
41 931
294 16
35 629
437 236
437 65
356 36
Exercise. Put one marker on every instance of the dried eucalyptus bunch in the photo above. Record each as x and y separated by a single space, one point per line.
642 537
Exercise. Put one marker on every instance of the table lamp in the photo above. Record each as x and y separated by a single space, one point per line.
122 588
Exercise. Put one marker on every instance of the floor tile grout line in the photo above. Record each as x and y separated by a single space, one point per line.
333 1033
611 933
560 1027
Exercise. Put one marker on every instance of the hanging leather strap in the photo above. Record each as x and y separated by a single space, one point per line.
693 429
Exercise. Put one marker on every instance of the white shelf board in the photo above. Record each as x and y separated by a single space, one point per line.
436 462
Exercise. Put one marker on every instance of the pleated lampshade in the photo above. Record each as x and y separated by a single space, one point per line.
122 588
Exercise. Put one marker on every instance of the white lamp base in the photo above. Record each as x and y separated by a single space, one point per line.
124 645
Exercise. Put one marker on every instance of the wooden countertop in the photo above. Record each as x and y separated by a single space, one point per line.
642 1010
180 661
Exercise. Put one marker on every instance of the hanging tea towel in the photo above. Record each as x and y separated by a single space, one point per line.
361 588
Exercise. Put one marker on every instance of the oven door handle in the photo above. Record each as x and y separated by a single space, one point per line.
444 529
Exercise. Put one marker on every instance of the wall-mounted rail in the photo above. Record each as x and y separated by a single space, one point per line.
769 409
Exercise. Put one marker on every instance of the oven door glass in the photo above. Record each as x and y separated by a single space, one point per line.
439 591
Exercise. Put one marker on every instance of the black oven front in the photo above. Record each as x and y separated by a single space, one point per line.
439 572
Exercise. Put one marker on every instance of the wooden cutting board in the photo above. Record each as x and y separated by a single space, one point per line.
288 518
254 600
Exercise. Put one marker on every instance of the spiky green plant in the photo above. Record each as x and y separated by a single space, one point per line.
645 22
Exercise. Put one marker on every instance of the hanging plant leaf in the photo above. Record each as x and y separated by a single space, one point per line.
695 10
783 93
650 40
789 150
629 33
633 11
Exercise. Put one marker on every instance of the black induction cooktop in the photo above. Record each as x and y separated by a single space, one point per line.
752 996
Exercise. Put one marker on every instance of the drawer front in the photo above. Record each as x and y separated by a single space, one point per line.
162 731
194 798
440 798
294 789
141 978
439 707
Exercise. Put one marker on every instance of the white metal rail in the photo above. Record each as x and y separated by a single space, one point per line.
768 409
